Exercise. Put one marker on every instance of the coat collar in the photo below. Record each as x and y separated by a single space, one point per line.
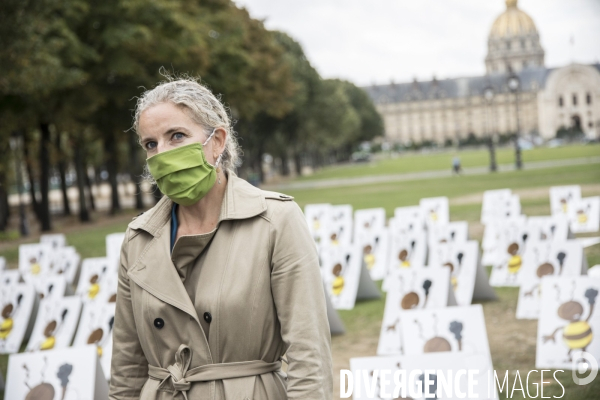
241 201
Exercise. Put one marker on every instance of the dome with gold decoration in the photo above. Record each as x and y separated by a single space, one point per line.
514 42
513 22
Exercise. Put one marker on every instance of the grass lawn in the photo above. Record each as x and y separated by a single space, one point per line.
512 342
413 162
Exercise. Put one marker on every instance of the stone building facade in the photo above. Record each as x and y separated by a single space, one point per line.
452 109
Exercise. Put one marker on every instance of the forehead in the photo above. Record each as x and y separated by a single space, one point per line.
164 116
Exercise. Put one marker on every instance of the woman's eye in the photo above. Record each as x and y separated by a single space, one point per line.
178 136
150 145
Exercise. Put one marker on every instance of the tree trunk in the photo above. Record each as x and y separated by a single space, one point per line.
84 215
30 178
136 169
285 164
111 167
298 163
88 183
45 177
61 164
4 207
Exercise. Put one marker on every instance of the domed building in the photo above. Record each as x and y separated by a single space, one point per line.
543 101
514 42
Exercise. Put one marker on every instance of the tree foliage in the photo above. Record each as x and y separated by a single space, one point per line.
70 71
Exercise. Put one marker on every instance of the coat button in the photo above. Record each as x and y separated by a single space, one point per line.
159 323
207 317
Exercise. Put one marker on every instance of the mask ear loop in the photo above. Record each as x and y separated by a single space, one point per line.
218 158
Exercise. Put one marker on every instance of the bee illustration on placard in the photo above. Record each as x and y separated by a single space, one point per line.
338 271
34 265
582 215
335 236
405 254
438 343
546 269
44 390
564 203
369 254
411 299
49 291
577 334
317 221
433 213
97 335
454 272
9 312
52 328
515 262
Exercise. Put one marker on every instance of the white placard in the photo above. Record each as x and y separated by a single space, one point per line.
368 221
562 199
114 242
546 259
65 374
569 321
56 323
375 251
452 329
435 211
18 303
342 268
407 250
10 277
51 287
549 228
340 226
317 217
468 279
95 327
66 262
494 236
585 215
415 288
35 260
409 218
494 204
443 368
56 240
91 286
452 232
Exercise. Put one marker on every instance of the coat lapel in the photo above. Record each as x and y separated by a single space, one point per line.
154 272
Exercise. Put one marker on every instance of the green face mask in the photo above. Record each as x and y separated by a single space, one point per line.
183 174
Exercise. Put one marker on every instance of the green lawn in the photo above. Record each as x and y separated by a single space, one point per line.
413 162
512 342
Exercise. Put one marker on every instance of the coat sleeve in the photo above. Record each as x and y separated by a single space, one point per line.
300 302
129 367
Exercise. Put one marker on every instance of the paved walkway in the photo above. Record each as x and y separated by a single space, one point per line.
411 176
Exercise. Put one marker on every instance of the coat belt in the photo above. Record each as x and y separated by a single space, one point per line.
182 377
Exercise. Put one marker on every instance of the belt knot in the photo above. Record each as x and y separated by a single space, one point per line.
178 371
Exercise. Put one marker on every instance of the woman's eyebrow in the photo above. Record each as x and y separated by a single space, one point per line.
175 129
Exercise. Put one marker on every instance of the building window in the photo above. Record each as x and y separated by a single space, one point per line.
560 101
574 99
588 98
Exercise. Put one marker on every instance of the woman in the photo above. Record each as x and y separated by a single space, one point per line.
220 279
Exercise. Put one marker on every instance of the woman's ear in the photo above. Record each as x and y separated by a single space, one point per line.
220 139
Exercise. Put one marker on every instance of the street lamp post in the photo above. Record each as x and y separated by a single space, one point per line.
488 94
514 85
15 141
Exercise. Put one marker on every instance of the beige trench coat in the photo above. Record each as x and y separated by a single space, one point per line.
260 284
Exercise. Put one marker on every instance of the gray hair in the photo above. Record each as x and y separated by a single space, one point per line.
201 105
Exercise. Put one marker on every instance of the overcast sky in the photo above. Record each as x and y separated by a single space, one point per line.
376 41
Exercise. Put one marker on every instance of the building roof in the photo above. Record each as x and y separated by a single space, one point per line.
532 80
512 22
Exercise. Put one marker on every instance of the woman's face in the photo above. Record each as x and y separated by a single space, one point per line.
166 126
